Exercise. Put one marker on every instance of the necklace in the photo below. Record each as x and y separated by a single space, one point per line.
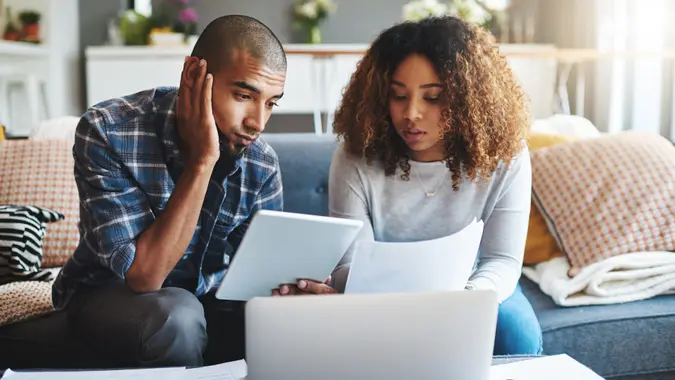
431 193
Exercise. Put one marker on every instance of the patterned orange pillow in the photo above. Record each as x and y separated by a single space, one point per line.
607 196
40 173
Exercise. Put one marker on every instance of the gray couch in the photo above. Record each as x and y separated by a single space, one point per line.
628 341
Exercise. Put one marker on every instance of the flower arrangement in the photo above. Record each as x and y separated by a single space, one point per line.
481 12
176 16
496 5
470 11
497 22
309 14
419 9
187 21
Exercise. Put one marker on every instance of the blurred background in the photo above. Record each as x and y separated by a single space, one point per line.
609 61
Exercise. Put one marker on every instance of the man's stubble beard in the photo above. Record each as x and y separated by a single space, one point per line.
231 154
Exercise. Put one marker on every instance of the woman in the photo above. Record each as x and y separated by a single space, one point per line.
433 128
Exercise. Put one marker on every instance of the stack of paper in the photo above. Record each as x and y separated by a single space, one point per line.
556 367
226 371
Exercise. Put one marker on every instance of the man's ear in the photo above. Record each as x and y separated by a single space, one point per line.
190 70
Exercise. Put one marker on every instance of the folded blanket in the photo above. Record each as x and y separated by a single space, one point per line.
623 278
22 300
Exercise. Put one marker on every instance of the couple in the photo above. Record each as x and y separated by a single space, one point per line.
433 128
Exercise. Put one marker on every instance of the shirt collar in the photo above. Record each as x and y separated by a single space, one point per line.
169 135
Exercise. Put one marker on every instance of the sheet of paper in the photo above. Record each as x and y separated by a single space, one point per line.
227 371
556 367
173 373
443 264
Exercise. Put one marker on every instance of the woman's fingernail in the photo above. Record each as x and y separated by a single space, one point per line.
284 289
302 284
202 62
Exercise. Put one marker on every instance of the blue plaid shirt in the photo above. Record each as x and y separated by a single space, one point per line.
127 163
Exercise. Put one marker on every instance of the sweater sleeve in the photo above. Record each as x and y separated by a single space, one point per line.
505 232
347 198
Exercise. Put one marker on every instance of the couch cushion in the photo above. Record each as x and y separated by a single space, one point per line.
40 173
607 196
614 340
305 163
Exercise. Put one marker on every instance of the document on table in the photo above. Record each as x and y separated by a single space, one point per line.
227 371
556 367
443 264
172 373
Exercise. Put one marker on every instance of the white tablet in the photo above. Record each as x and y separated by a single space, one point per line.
283 247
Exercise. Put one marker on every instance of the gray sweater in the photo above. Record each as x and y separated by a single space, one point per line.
394 210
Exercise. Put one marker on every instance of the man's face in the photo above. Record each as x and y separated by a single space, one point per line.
244 94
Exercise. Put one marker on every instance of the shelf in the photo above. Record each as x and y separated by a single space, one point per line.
174 51
22 48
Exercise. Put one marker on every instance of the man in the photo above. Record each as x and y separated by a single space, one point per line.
168 181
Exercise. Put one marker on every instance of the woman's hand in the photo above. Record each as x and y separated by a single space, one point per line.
304 287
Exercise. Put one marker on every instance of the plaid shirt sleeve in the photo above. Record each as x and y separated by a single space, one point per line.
114 211
270 197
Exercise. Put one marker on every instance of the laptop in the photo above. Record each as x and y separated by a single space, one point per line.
403 336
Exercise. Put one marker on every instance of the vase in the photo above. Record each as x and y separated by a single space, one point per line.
314 35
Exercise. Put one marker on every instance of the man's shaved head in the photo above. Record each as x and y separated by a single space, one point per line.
226 35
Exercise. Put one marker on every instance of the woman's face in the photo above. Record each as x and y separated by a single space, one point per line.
415 108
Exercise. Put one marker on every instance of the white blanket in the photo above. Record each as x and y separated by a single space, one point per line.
623 278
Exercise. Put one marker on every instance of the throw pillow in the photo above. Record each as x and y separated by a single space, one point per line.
22 230
540 245
40 173
607 196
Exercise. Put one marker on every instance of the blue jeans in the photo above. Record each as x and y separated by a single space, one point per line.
518 330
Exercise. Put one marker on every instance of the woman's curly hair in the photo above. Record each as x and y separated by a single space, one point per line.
484 110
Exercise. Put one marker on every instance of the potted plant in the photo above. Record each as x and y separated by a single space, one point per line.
134 27
309 14
187 22
174 24
30 21
11 32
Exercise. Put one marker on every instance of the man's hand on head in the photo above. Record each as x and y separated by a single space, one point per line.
196 124
305 287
